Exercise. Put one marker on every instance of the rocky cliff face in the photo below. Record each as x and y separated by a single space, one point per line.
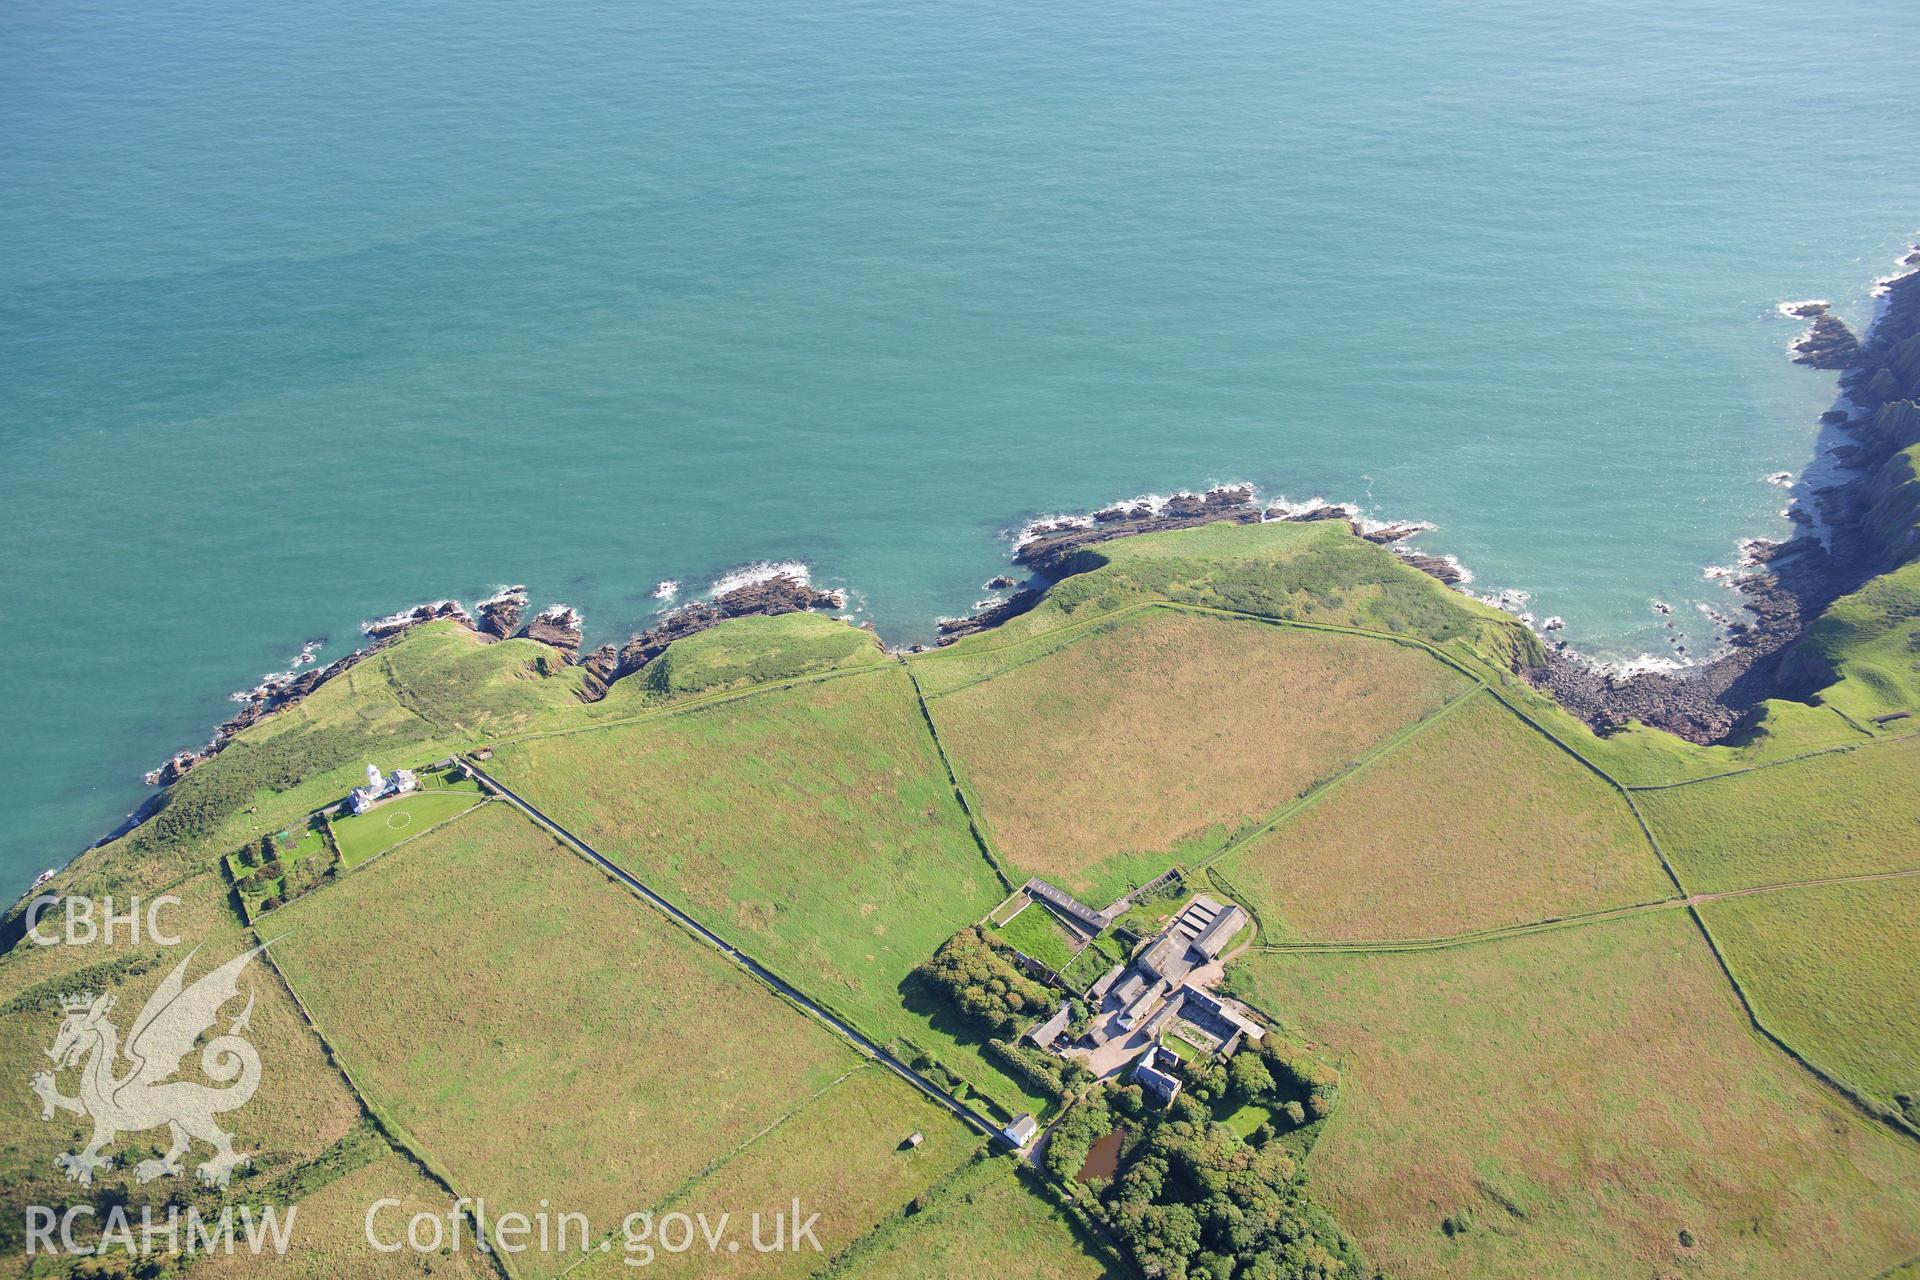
558 626
500 613
1869 530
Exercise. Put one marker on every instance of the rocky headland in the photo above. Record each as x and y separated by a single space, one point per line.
1838 544
559 627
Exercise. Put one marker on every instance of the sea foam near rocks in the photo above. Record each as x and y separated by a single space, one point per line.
752 575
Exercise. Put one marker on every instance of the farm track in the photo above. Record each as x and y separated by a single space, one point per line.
766 976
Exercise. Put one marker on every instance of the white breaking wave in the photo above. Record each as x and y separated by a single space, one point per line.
1512 600
666 589
1781 479
752 575
1042 525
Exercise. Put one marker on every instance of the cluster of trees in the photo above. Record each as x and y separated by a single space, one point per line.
1299 1089
1193 1201
261 876
1046 1072
980 976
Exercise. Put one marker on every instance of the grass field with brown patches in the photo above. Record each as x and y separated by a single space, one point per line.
1476 822
983 1222
301 1107
1584 1094
1835 971
863 1122
538 1031
1092 763
813 826
329 1237
1841 813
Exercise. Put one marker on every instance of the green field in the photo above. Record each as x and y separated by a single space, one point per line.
1833 971
986 1221
537 1030
864 1120
1476 822
1583 1094
1835 814
812 826
1093 764
363 837
1039 936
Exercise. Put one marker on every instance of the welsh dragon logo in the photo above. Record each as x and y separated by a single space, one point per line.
131 1090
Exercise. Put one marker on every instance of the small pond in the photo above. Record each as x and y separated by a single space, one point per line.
1103 1158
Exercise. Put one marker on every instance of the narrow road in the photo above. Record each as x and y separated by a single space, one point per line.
766 976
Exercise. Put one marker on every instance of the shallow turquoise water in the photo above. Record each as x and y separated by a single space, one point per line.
309 313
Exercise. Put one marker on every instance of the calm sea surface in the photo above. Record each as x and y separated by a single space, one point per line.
309 312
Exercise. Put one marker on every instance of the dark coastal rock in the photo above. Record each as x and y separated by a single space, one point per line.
603 662
1135 509
395 624
999 582
1827 343
501 612
1448 571
993 615
781 593
557 625
1834 417
1386 535
262 701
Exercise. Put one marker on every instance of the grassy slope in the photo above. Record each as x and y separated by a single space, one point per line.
1314 572
1585 1094
1477 822
1870 641
1839 813
747 651
813 826
1092 764
538 1031
984 1222
439 688
1832 970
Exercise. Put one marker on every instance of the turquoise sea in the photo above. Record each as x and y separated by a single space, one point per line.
310 312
